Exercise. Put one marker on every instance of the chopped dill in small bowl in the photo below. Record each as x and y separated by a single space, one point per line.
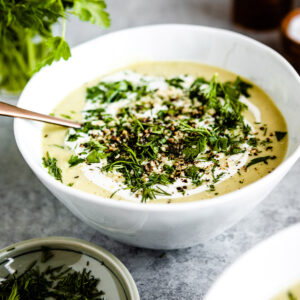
62 268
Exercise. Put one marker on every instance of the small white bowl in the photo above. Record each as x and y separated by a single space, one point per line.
115 279
262 273
162 226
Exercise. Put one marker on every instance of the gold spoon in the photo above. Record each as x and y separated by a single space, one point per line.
17 112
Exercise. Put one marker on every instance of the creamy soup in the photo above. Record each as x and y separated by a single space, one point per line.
165 132
293 293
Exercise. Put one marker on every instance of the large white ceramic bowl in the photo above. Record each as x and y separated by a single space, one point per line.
263 272
162 226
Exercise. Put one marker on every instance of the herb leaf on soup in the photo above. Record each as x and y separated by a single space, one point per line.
257 160
51 164
75 160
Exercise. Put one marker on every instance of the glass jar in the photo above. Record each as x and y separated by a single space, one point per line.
260 14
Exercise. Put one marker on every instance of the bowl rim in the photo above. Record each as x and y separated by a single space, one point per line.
159 207
87 248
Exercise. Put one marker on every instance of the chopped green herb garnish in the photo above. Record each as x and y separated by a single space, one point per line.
73 137
59 146
46 254
252 142
257 160
66 116
280 135
265 131
75 160
212 188
176 82
53 169
94 157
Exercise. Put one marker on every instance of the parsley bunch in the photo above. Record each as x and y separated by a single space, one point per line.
27 42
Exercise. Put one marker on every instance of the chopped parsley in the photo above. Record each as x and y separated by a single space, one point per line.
73 137
66 116
257 160
176 82
75 160
28 41
53 169
195 174
280 135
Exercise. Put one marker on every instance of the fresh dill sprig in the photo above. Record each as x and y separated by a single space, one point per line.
75 160
257 160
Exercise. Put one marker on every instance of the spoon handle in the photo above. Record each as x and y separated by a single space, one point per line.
17 112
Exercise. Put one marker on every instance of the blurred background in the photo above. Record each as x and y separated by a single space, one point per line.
259 19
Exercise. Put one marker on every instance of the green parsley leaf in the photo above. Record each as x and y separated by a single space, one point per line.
169 169
195 174
195 147
94 157
93 11
75 160
27 42
176 82
59 49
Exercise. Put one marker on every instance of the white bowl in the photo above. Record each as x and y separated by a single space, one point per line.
269 268
115 279
162 226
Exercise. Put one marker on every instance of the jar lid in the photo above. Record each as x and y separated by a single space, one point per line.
290 32
115 280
